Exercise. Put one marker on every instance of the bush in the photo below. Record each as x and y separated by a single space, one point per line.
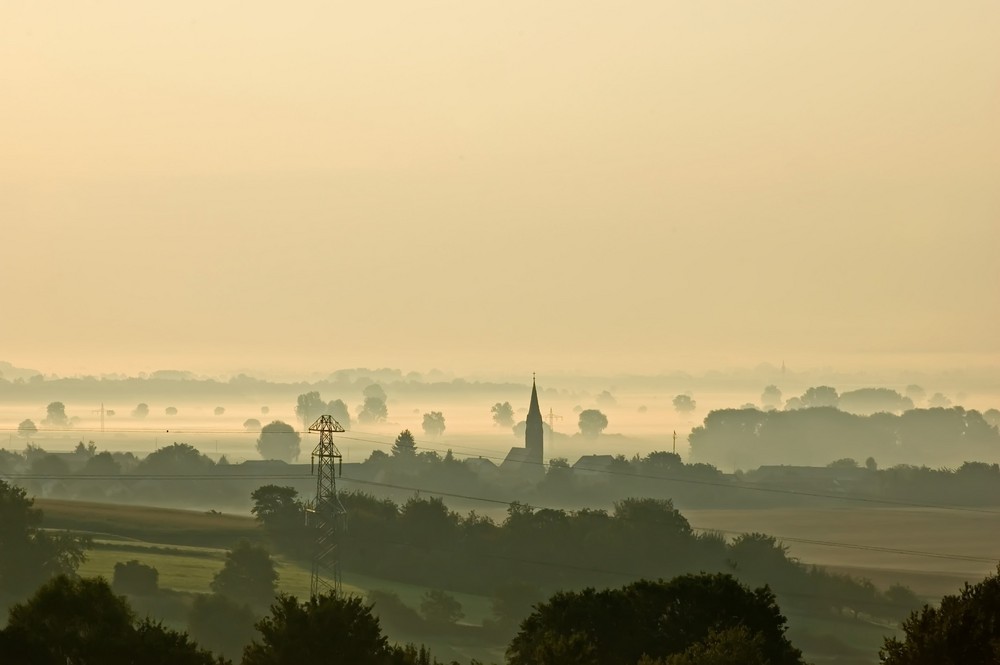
135 579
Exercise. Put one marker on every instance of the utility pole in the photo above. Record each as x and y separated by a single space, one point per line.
100 411
675 442
327 515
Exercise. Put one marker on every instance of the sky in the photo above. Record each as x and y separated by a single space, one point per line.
499 186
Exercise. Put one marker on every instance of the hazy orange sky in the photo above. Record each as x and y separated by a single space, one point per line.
493 185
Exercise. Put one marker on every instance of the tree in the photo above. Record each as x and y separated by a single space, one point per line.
514 601
592 422
433 424
56 415
843 463
27 429
86 450
82 621
221 625
404 446
373 410
440 608
684 404
251 425
135 578
276 508
820 396
938 401
308 407
965 628
140 411
176 459
49 466
101 464
655 619
605 398
170 411
730 646
279 441
219 410
329 628
771 397
28 555
866 401
282 514
248 576
375 390
338 409
871 464
503 414
915 393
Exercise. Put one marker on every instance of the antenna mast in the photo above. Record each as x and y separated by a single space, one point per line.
327 515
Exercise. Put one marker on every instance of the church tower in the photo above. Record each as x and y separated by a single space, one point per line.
533 433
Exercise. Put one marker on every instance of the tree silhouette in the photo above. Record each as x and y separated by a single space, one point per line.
140 411
592 422
27 429
684 404
503 414
221 624
279 441
965 628
28 555
329 628
374 390
338 409
82 621
308 407
133 577
820 396
440 608
404 446
655 619
373 410
433 424
248 576
56 415
771 397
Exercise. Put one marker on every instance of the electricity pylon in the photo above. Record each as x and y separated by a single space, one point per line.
327 515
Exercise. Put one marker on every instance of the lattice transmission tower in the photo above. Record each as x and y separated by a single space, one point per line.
327 515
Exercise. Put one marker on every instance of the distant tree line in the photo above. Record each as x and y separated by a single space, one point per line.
747 438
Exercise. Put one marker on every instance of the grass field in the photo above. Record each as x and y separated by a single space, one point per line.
162 537
931 531
149 524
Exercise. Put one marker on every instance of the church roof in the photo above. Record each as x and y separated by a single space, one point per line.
534 412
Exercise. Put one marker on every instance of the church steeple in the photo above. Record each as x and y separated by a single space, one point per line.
533 432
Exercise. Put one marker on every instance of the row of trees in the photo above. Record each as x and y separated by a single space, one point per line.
747 438
535 551
690 620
